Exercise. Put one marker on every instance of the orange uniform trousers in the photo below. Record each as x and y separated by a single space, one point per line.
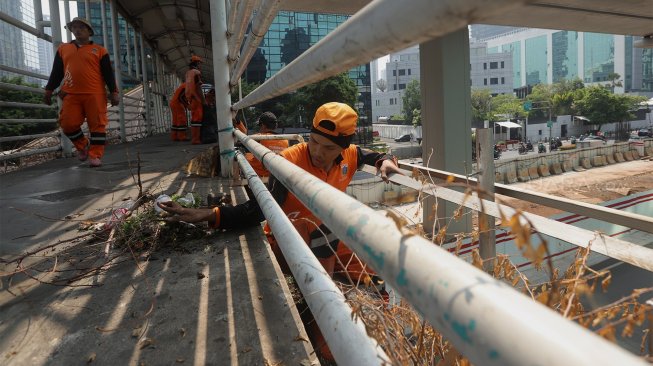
179 121
93 107
196 115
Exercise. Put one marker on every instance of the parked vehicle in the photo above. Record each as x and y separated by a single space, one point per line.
522 149
497 152
644 132
529 145
541 149
404 138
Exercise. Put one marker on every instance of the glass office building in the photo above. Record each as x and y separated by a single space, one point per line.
292 33
549 56
19 49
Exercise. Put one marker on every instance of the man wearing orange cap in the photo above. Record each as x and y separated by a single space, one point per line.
195 98
178 106
84 68
329 156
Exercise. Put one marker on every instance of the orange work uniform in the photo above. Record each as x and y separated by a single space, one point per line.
178 105
195 100
275 145
320 239
84 70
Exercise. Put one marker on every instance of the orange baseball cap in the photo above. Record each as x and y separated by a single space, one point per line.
336 121
195 59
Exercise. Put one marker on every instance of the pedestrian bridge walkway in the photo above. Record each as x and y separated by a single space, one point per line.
219 300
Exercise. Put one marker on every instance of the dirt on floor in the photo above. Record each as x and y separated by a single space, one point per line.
592 186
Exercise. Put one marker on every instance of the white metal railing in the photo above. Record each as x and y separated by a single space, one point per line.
380 28
348 341
487 321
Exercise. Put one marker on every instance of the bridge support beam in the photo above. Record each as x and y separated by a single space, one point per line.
446 120
219 45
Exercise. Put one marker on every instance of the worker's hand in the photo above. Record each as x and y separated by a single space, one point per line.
388 167
190 215
47 98
115 99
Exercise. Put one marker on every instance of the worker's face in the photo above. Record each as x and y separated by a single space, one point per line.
323 151
80 31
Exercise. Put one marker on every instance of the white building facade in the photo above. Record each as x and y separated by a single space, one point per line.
490 71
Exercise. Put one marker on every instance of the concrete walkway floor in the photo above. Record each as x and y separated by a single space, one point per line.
222 300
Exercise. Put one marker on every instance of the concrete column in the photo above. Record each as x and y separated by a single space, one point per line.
219 45
522 61
115 35
446 119
485 154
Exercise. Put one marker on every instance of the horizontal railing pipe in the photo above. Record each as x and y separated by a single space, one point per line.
619 217
25 88
25 105
28 120
260 24
294 137
29 152
23 72
29 137
488 322
380 28
242 21
19 24
346 337
637 255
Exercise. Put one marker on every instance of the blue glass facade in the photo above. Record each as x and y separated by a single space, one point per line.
598 57
536 65
515 48
565 55
292 33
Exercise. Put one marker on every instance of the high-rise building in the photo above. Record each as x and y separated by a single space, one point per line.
544 56
481 32
18 48
292 33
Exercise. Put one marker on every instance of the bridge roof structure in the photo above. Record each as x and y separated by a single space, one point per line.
178 29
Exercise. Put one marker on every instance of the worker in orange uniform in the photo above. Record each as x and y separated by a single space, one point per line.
84 67
178 106
267 123
328 156
195 98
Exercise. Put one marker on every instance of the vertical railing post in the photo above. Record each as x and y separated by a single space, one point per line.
87 10
146 86
129 54
485 154
55 26
103 20
137 64
115 35
38 15
66 11
222 94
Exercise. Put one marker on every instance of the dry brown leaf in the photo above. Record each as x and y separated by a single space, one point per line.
299 338
180 360
608 333
182 332
91 358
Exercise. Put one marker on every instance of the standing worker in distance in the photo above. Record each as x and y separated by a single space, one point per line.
267 123
178 106
195 98
85 68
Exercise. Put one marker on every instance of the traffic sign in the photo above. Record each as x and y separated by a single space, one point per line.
549 124
528 105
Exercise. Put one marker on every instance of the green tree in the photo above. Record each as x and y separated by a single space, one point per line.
417 117
601 106
412 100
481 105
340 88
508 104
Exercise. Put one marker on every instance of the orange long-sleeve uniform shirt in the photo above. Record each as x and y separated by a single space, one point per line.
275 145
309 226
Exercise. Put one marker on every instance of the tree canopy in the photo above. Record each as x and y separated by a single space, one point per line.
340 88
17 129
412 100
601 106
